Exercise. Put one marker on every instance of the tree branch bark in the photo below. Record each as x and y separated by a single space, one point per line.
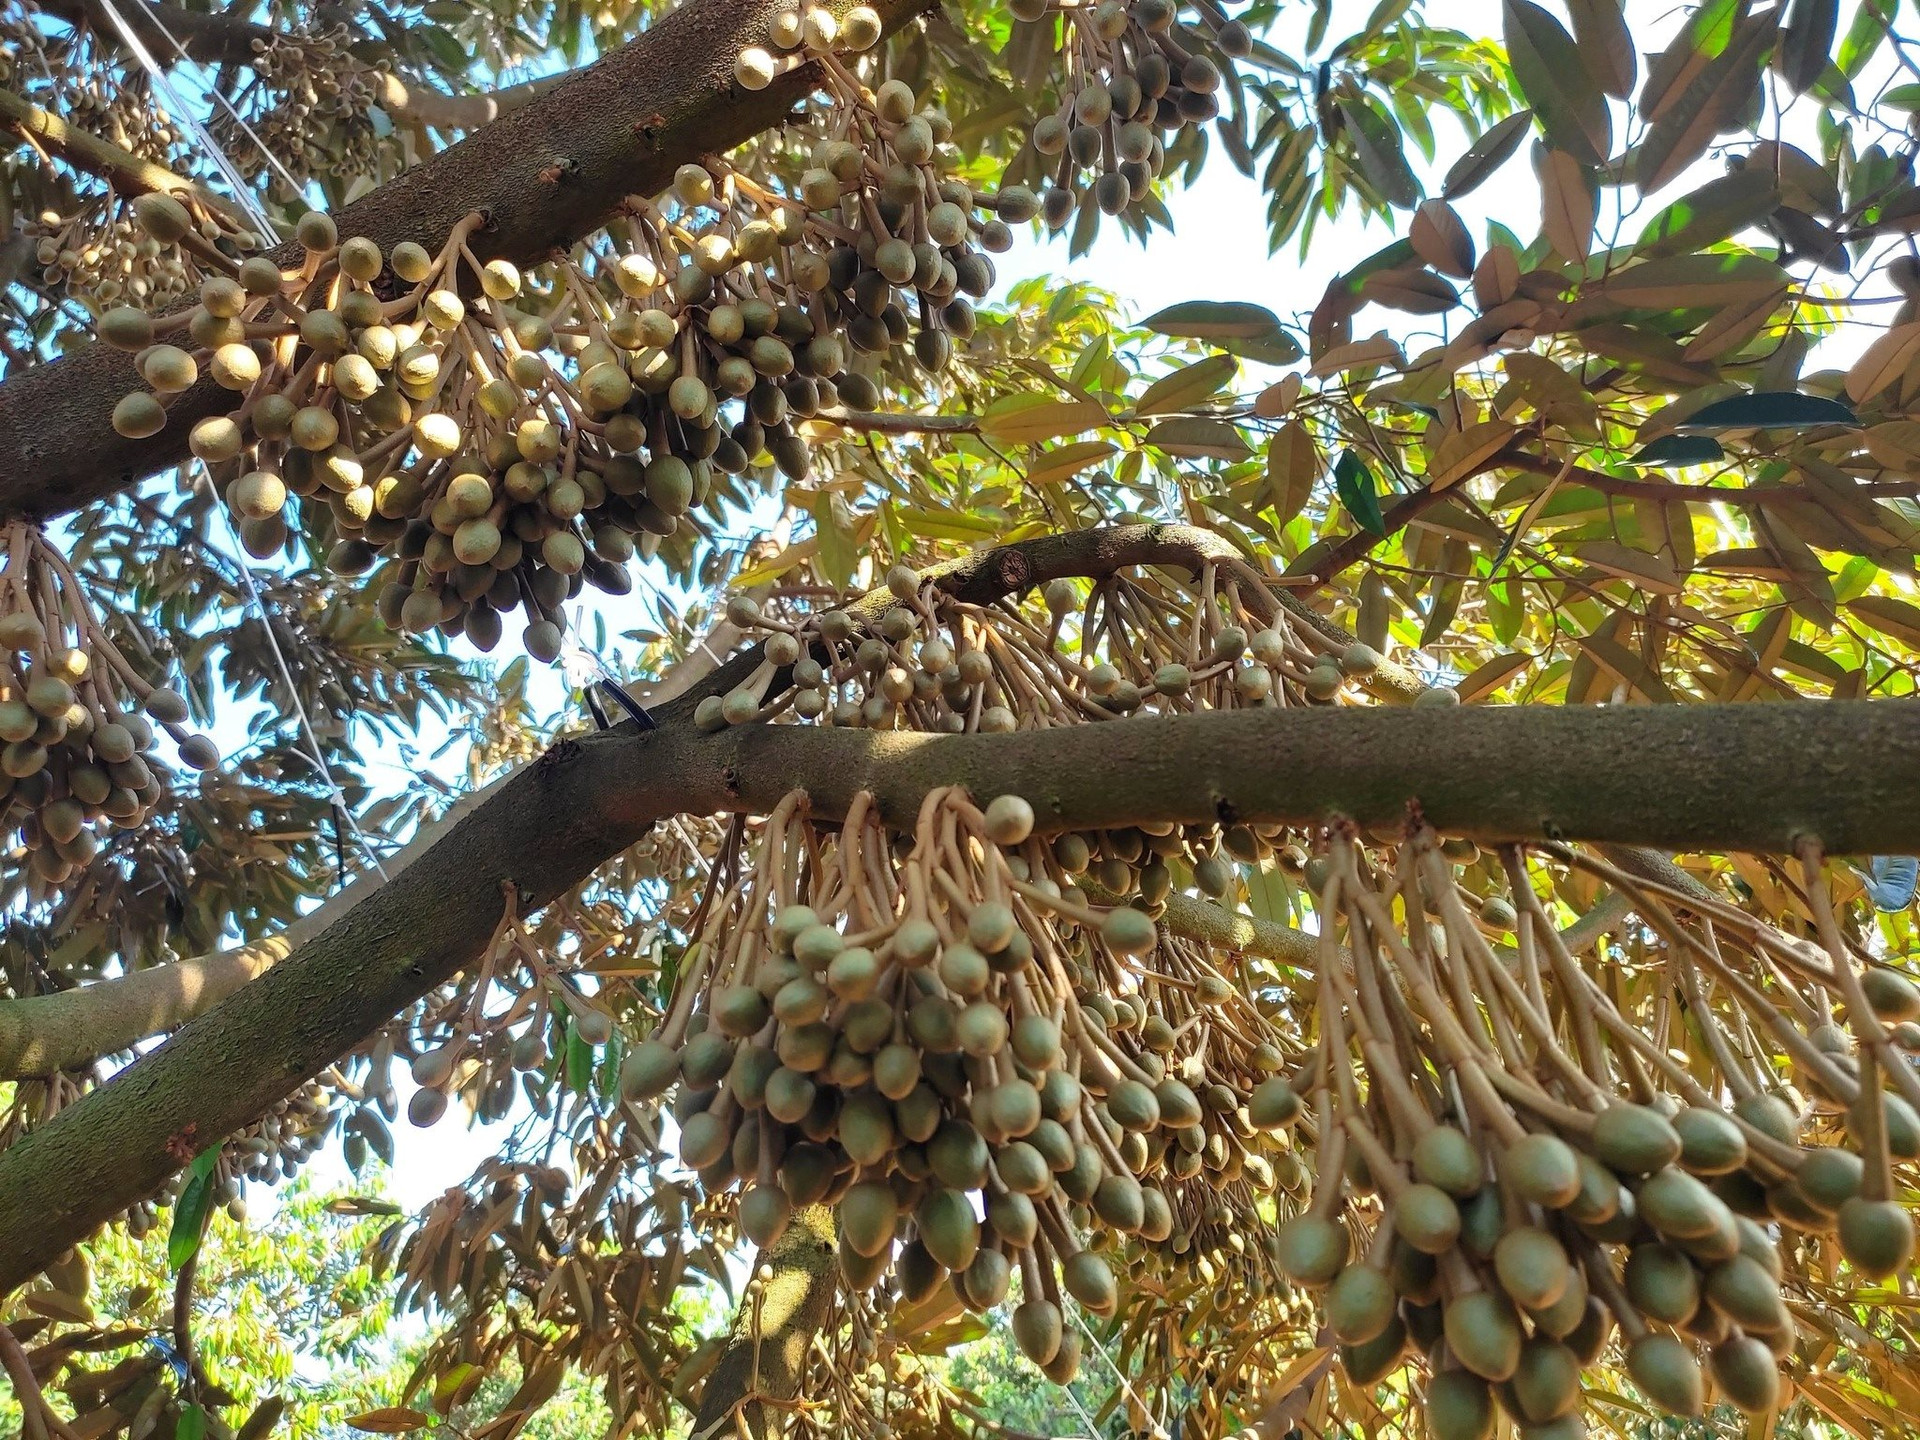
1750 777
544 176
773 1328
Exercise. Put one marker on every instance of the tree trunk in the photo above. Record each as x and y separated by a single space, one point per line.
773 1328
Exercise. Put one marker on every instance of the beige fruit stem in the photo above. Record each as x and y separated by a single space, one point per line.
758 1373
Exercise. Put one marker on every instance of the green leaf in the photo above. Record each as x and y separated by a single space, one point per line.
1870 25
579 1060
1771 410
1376 145
1889 616
1353 482
1686 282
191 1209
1679 451
836 548
1557 84
1488 154
1235 325
192 1424
1196 438
1806 41
1187 386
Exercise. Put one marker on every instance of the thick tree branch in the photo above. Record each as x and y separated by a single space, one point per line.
1751 777
544 176
227 39
210 38
42 1034
773 1328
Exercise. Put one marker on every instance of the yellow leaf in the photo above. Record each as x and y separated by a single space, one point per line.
1626 667
1029 419
1889 616
1566 206
1895 444
1186 386
390 1420
776 566
1883 362
1654 572
1277 399
1492 675
1463 452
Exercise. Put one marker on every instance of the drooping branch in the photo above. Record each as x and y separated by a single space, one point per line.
544 176
1682 777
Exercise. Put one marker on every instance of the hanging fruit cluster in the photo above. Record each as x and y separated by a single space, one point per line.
948 1044
78 721
1136 77
321 90
1515 1176
928 662
502 450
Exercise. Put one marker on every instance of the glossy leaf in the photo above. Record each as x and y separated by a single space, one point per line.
1559 87
1771 410
1354 484
191 1209
1679 451
1486 155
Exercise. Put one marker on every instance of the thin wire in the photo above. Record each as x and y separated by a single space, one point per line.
246 197
272 160
243 193
1159 1431
314 752
1093 1430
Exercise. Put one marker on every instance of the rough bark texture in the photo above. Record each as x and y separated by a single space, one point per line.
1752 777
544 176
766 1354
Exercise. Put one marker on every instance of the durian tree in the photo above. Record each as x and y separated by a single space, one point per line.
1340 861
